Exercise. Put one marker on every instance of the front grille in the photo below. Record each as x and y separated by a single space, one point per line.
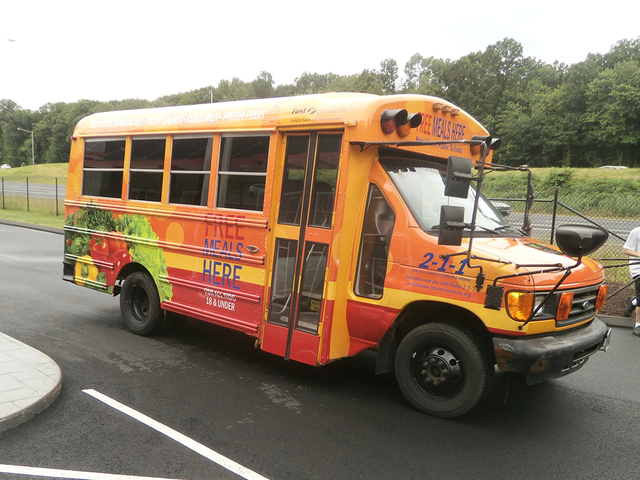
584 305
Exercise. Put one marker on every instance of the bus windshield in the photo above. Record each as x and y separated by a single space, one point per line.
421 185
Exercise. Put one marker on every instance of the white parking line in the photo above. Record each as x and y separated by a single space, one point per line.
178 437
71 474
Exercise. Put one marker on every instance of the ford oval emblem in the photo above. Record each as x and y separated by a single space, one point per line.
586 304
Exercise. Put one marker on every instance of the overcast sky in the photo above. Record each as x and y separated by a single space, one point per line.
64 51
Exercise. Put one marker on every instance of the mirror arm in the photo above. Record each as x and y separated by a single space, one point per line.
483 158
553 290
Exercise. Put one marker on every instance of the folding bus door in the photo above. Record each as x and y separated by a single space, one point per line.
304 232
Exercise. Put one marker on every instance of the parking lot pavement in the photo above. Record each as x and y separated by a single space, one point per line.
30 381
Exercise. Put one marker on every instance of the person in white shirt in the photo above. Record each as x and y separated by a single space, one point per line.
632 248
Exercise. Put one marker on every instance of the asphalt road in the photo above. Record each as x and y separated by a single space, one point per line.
541 224
36 190
280 419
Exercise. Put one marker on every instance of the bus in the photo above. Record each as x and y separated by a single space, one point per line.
325 225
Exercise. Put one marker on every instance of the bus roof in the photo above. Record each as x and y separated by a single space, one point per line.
358 113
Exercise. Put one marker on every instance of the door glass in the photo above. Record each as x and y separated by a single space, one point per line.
295 166
312 287
374 245
282 284
324 180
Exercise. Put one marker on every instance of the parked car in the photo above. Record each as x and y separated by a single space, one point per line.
4 166
502 207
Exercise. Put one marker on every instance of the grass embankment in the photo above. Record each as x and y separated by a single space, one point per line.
592 192
46 173
41 211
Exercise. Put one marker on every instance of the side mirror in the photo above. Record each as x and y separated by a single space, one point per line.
579 240
458 177
451 225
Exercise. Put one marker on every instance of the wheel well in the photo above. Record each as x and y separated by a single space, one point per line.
127 270
420 313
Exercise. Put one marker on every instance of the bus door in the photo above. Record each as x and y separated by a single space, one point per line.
303 236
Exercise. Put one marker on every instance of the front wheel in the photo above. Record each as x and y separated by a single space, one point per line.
442 370
140 304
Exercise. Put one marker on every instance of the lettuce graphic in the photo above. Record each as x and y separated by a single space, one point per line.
143 247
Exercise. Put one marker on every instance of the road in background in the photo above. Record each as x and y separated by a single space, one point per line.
36 190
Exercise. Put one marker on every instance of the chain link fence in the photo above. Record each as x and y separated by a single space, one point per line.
547 214
37 194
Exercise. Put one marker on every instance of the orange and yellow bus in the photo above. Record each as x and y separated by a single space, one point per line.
325 225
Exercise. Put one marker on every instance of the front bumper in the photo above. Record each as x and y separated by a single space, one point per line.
542 358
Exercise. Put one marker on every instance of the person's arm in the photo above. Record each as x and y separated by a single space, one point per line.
631 253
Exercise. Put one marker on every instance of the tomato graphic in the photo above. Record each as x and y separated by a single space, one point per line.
116 242
99 247
119 260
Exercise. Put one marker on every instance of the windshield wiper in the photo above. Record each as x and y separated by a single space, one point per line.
495 231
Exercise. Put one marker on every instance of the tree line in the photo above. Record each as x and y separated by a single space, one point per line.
582 115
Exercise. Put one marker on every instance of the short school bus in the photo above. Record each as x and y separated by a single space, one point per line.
316 224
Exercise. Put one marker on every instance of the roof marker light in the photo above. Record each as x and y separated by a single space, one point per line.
413 120
390 119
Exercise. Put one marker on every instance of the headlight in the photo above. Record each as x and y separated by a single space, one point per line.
520 305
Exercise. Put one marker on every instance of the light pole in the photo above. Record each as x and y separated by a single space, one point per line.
33 155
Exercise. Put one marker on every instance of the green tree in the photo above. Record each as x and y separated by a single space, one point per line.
613 111
389 75
193 97
262 86
235 89
15 145
313 82
424 75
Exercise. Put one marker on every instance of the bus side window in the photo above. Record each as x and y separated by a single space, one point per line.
190 165
379 220
147 164
103 167
242 172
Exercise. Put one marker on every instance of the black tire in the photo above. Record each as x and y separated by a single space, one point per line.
442 370
140 304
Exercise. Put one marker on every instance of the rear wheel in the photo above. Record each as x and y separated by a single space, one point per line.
442 370
140 304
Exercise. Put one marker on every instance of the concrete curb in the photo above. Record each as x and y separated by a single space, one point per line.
32 226
29 382
627 322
